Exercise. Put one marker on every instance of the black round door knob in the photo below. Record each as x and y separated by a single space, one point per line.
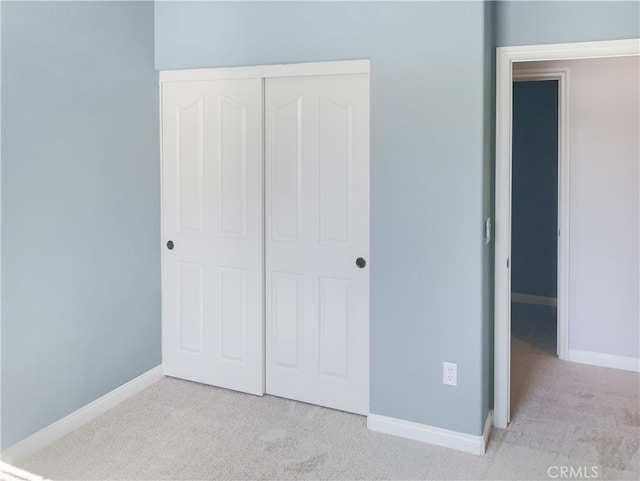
360 262
170 245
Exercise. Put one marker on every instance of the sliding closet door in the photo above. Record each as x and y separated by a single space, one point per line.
317 240
212 272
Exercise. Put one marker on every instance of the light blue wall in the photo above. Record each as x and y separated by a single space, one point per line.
534 225
537 22
428 184
80 206
489 123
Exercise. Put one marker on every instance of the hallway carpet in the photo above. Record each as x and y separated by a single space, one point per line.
564 414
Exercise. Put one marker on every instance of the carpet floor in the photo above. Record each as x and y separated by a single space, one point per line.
563 414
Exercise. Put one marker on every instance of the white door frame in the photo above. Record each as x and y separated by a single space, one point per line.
562 76
505 58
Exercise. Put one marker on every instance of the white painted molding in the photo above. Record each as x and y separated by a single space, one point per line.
604 360
266 71
431 434
532 299
572 51
60 428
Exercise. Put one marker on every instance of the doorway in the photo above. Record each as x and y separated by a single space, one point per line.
534 225
507 59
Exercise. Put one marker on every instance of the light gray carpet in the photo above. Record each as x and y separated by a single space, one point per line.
564 414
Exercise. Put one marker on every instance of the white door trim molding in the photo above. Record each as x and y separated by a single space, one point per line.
562 75
55 431
505 58
267 71
432 434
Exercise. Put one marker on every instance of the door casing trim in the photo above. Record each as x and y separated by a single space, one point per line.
562 75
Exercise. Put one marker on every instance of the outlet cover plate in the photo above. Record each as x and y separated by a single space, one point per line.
450 373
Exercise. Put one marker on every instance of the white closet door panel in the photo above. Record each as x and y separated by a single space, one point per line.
286 316
286 170
212 285
190 165
191 306
233 314
232 169
334 303
336 169
317 208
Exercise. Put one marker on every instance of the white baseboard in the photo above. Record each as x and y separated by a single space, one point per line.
431 434
531 299
55 431
17 474
604 360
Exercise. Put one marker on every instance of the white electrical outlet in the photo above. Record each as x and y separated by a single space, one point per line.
450 373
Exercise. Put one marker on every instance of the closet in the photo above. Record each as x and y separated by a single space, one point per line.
265 230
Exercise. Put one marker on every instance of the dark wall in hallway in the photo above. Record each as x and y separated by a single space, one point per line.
535 188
